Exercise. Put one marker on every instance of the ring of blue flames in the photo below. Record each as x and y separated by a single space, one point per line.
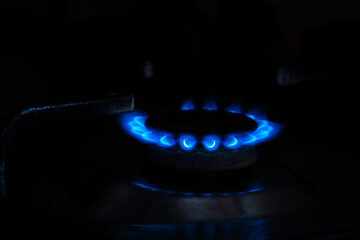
134 124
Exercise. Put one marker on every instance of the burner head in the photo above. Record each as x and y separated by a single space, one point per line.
201 160
201 123
207 139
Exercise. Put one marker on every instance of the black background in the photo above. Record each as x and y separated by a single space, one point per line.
54 51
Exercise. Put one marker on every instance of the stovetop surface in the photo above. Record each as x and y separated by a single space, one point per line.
98 184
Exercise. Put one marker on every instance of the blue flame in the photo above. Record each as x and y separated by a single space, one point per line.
210 106
187 142
211 142
266 130
134 124
167 140
234 108
188 105
231 142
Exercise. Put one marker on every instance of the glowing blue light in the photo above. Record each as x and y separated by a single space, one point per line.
188 105
231 142
167 141
134 124
261 123
146 186
149 136
249 139
153 188
189 194
140 120
206 194
265 131
211 142
210 106
251 116
234 108
224 194
187 142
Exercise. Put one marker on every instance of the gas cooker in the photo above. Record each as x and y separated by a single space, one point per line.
99 183
201 140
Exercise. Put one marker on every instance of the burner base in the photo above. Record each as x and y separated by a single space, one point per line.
202 160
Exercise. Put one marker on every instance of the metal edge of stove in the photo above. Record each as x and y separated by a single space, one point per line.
111 105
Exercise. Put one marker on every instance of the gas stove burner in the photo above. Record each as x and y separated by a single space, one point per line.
186 128
204 139
200 123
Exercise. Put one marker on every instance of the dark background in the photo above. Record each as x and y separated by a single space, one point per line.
300 58
59 50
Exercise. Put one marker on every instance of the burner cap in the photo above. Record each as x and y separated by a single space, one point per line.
201 122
